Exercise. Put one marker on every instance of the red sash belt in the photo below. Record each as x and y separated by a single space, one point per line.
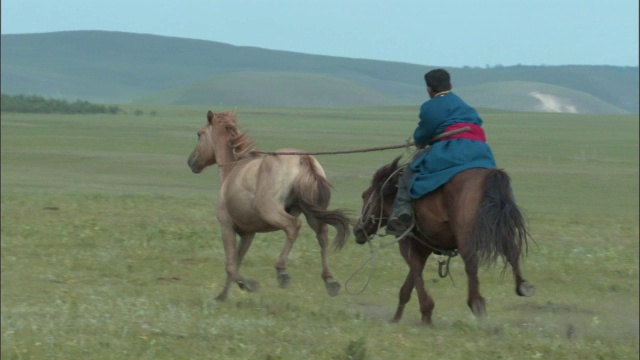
476 132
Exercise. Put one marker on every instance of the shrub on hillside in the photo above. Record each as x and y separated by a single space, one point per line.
40 105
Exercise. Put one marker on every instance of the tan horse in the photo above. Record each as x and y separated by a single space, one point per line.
265 194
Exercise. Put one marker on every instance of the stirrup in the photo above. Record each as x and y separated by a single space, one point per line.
399 225
399 232
402 220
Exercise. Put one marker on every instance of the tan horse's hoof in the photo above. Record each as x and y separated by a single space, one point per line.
249 285
283 279
333 287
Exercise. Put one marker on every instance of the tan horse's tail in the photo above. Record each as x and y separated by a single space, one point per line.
313 191
500 229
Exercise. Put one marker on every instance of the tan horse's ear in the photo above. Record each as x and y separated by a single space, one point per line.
210 116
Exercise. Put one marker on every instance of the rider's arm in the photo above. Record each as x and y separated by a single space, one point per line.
430 117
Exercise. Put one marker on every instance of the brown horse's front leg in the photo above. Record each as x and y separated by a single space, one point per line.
426 302
416 258
404 296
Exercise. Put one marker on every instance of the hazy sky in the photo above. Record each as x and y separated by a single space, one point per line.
428 32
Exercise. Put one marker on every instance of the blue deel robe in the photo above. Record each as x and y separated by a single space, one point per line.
446 158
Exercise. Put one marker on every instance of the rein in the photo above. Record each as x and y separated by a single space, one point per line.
443 265
419 235
373 256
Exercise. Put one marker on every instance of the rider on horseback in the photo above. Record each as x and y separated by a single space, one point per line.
435 165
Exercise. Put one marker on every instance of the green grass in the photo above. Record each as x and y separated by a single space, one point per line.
110 247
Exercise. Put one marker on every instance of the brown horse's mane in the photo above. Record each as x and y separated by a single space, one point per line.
389 175
240 142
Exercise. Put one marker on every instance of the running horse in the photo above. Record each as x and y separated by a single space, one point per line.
474 214
263 194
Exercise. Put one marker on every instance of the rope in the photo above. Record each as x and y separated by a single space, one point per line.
372 258
352 151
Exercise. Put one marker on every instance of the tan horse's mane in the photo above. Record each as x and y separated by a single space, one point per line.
240 142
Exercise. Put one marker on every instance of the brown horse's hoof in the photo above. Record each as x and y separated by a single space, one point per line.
525 289
333 287
427 322
478 308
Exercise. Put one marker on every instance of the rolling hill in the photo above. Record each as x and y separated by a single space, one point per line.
116 67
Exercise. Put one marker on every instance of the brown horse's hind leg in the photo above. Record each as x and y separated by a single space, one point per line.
523 288
416 259
475 301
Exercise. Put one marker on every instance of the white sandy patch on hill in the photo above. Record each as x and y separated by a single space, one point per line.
550 103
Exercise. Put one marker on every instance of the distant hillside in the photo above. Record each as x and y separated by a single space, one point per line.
274 89
115 67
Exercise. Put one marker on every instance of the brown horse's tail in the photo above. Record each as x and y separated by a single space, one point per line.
500 229
313 191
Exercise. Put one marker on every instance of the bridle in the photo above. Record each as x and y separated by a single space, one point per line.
368 215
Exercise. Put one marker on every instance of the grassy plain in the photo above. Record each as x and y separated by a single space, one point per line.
110 245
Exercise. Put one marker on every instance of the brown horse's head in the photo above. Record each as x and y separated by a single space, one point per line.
376 202
204 154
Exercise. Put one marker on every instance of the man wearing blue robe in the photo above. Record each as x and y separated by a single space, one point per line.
438 163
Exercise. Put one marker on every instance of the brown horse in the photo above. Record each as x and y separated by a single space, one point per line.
474 213
265 194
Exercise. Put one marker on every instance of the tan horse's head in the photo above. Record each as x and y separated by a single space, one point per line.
219 142
204 154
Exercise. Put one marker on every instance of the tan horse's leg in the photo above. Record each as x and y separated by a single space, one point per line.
322 231
291 226
229 244
245 243
245 283
233 260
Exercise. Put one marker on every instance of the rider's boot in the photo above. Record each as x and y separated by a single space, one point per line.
401 217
